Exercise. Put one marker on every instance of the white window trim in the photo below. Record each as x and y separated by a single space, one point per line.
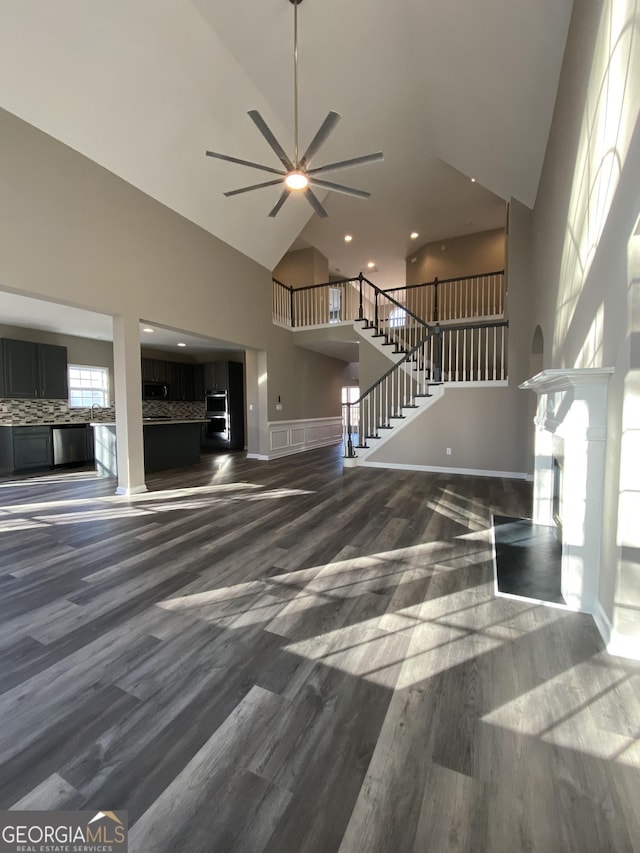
104 389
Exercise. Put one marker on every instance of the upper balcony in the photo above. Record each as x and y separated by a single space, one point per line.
461 321
469 300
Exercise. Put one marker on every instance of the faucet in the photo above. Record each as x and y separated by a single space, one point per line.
94 406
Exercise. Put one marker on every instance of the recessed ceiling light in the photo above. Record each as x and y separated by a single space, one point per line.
473 180
371 265
181 344
147 329
348 238
414 235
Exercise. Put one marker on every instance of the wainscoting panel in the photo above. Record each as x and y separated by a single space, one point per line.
287 437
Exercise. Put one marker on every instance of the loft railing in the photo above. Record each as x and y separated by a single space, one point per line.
463 298
471 297
350 299
466 353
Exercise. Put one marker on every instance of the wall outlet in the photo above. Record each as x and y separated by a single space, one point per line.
250 407
4 407
448 451
278 407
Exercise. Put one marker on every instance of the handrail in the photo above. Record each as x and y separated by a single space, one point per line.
407 312
480 358
484 325
358 282
437 280
394 367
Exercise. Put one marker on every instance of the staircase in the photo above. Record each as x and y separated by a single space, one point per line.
406 390
424 356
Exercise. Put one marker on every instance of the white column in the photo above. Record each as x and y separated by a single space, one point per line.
543 468
128 382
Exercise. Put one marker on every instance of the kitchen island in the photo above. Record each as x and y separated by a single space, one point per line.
168 443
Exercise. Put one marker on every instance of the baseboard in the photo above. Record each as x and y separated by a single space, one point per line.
436 469
617 644
291 451
603 624
133 490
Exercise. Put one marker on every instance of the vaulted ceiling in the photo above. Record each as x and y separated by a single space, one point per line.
448 90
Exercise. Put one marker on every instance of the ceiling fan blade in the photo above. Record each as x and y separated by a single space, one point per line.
244 162
254 187
315 204
286 192
326 128
346 164
273 142
339 188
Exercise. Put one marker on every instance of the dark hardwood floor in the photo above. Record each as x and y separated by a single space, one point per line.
285 657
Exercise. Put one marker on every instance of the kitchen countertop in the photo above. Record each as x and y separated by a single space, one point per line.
155 422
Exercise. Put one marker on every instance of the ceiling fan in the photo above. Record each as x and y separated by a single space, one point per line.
296 174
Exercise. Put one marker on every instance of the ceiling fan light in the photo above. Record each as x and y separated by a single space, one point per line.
296 180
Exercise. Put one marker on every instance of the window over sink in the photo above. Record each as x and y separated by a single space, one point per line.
88 386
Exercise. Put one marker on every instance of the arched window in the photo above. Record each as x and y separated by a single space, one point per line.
397 318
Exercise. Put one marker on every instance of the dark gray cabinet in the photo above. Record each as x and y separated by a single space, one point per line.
185 381
33 371
155 370
216 375
180 381
32 448
198 382
54 375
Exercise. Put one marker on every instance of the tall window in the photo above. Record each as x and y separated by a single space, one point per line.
88 385
335 304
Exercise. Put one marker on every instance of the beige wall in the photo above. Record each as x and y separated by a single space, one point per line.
73 232
303 267
471 254
476 423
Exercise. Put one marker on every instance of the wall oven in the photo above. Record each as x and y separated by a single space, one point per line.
216 418
215 403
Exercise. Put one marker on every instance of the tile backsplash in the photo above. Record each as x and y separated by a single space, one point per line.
25 412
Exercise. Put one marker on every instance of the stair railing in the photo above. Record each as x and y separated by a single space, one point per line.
452 354
397 389
348 299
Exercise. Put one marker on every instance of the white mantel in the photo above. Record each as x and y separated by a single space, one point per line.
571 427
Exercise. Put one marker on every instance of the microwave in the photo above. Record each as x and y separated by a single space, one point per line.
155 391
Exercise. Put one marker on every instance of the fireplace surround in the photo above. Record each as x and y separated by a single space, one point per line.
570 426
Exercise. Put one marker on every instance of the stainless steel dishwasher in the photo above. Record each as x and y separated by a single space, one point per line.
70 444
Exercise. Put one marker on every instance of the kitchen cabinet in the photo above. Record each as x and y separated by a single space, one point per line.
155 370
180 381
33 371
198 383
216 375
32 448
185 381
